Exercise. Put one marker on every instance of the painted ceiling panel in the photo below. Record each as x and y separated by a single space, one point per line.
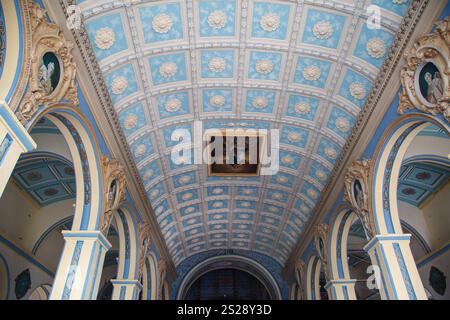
303 67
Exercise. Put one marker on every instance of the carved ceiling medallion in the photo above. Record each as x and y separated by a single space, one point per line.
323 30
270 22
217 19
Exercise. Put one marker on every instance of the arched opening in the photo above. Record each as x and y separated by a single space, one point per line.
423 196
226 265
411 170
227 284
4 279
149 279
52 188
41 199
315 280
110 266
358 261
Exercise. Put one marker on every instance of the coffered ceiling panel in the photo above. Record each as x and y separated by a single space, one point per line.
304 67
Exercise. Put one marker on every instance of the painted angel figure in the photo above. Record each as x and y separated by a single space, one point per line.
45 77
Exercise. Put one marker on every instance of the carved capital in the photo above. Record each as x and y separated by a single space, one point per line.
53 69
428 90
358 193
144 241
321 233
300 268
114 186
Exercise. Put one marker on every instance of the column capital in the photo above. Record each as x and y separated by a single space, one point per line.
340 282
127 282
16 128
84 235
386 238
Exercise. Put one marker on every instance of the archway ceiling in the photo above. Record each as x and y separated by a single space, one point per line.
312 62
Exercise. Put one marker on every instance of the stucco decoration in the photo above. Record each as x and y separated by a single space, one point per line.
270 22
260 102
119 85
162 23
323 30
376 48
104 38
217 64
357 90
217 19
162 271
114 185
321 233
342 124
173 105
358 193
264 66
217 100
300 275
433 48
144 238
311 73
168 69
44 88
303 108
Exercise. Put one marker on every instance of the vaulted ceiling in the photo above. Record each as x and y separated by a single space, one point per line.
304 67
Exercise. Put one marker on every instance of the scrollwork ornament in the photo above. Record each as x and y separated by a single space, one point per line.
300 268
47 38
144 241
321 243
357 193
113 189
431 48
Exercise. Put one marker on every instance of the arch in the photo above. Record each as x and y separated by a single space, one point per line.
294 292
41 293
84 151
4 279
231 262
312 278
128 243
150 278
388 159
338 263
14 69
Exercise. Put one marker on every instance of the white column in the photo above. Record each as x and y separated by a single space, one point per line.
126 289
80 266
399 278
342 289
14 140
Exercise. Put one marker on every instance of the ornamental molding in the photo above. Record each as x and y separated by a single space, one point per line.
44 86
376 48
144 241
323 30
300 276
321 234
162 23
217 19
270 22
357 192
431 48
114 186
104 38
